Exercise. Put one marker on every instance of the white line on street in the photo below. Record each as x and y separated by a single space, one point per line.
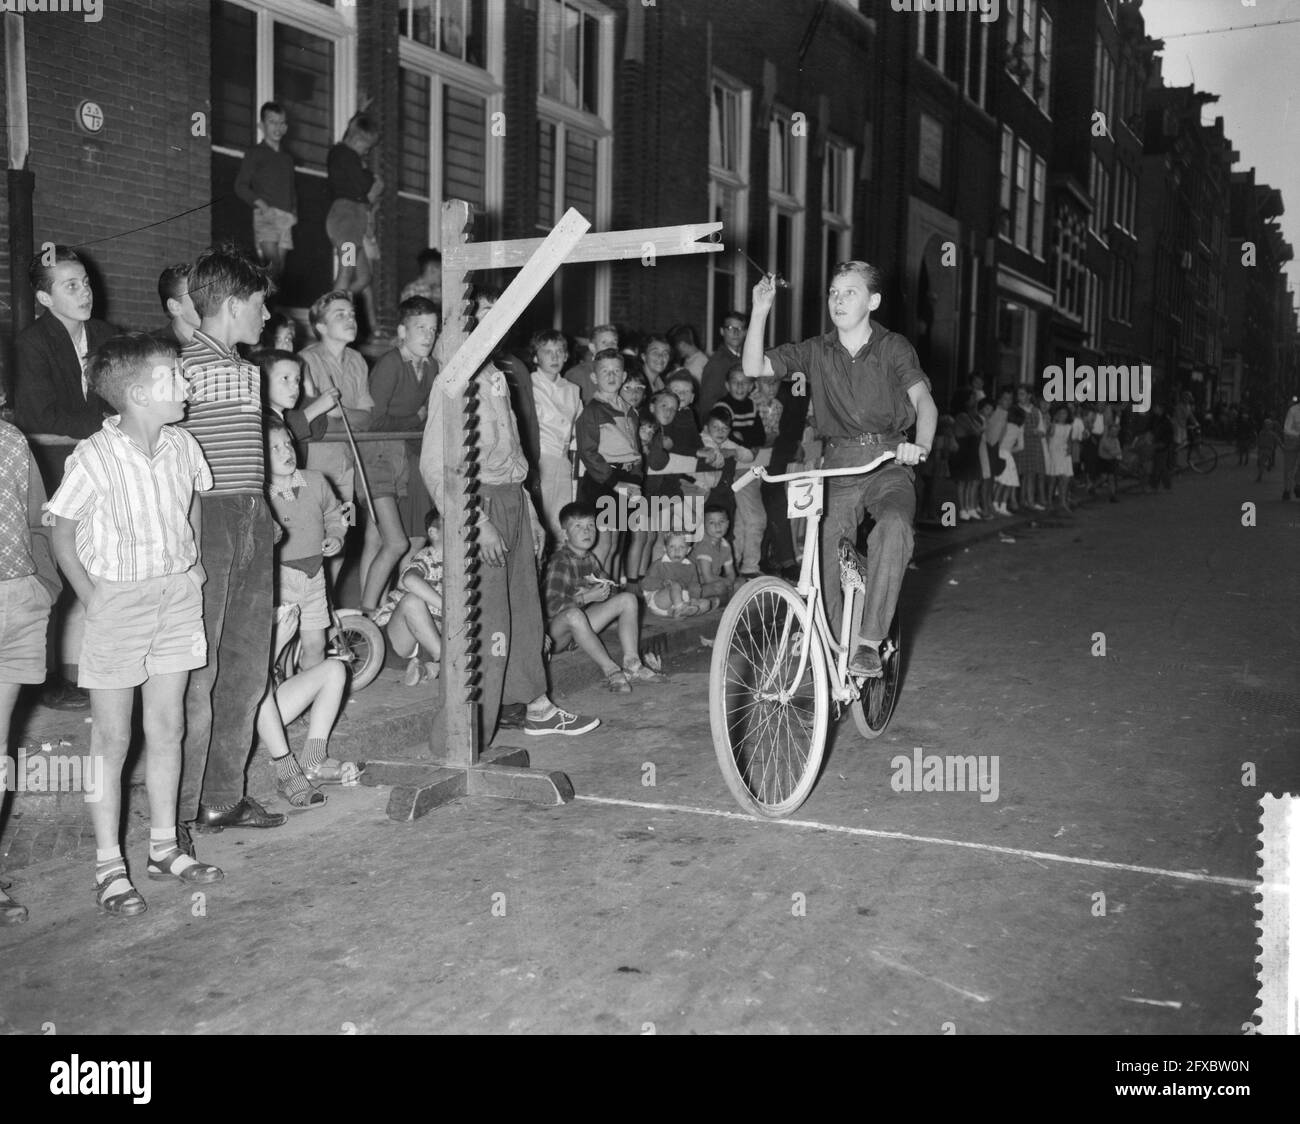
1017 852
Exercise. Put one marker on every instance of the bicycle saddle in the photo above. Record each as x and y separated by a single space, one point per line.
852 575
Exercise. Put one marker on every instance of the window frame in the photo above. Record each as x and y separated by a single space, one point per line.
737 180
793 205
599 126
440 70
836 224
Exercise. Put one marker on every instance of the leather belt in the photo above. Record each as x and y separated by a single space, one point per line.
862 439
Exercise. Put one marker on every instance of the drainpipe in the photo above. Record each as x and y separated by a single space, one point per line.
21 182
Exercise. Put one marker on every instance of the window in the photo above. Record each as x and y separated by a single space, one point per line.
787 165
931 28
1004 199
929 166
1017 327
444 137
571 40
452 27
1043 80
1100 188
729 115
1039 200
975 79
1020 193
837 211
575 107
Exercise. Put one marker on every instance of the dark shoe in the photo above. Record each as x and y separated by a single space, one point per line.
512 716
11 913
246 813
865 663
61 695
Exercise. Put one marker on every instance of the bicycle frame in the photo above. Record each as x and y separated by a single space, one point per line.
809 587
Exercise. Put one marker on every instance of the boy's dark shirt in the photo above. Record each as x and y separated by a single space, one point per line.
301 430
713 379
348 176
47 380
746 425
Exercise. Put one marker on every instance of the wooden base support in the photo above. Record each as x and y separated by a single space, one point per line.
502 772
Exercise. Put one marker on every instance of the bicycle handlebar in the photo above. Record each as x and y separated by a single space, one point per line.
758 472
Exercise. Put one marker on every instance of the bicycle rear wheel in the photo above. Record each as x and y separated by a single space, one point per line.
875 705
769 733
360 644
1203 458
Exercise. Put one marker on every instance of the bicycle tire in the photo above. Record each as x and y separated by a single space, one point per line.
764 774
873 708
1203 459
361 645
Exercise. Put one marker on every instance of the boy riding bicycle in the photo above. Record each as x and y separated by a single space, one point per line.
867 389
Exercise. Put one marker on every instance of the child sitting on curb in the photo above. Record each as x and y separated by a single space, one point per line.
581 603
712 556
411 613
672 585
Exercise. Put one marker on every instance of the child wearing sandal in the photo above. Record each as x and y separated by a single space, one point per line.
672 585
123 539
581 603
411 613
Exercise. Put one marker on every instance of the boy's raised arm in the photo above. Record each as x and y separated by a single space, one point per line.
757 364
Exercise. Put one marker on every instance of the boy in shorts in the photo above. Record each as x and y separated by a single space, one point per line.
265 182
581 603
312 520
123 539
411 614
29 586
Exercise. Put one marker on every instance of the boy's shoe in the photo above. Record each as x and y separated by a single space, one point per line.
245 813
513 716
560 722
865 663
170 866
617 682
414 669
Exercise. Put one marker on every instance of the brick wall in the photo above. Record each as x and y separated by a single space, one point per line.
121 194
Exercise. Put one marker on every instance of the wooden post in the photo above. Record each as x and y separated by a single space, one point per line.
456 738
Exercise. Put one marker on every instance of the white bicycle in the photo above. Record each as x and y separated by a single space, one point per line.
777 666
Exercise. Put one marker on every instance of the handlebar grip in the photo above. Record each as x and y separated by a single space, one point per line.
749 477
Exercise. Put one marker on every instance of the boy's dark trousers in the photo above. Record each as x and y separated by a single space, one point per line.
1160 468
221 702
510 625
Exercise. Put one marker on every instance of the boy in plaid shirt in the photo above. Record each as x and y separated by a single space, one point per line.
581 603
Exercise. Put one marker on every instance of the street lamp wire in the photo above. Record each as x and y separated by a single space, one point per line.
1220 30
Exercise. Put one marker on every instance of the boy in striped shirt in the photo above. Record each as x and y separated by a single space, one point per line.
123 538
237 542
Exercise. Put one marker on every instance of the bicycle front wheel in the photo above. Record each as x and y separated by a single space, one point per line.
769 731
360 644
1203 459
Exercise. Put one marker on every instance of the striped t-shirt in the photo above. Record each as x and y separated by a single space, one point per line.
225 415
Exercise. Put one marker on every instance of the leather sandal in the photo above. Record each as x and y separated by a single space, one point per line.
333 771
194 872
125 903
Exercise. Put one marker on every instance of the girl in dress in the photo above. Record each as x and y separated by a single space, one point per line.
1013 442
1031 461
1059 466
